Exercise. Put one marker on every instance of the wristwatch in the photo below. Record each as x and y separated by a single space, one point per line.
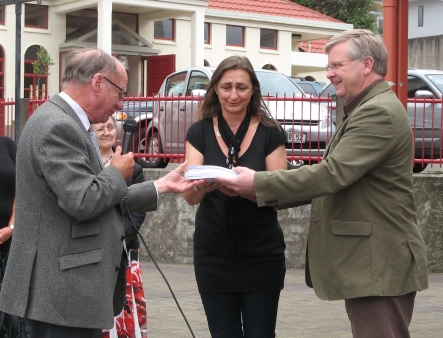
11 226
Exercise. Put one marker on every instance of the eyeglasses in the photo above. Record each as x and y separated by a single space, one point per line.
336 65
123 93
101 130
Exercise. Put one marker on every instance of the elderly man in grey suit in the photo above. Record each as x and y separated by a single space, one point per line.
364 245
65 272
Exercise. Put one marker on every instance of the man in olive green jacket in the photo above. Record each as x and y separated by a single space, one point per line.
364 245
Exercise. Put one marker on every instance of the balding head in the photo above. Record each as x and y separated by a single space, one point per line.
82 64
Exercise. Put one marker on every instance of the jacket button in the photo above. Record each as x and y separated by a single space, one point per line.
123 237
117 268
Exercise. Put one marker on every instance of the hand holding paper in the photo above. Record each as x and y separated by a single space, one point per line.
242 183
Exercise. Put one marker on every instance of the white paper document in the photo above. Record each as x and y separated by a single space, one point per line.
208 172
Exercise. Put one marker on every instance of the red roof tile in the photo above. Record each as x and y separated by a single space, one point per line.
284 8
316 46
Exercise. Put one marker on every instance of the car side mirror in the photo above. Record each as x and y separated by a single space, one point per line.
198 92
423 94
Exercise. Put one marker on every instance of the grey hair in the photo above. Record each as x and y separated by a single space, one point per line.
364 43
83 63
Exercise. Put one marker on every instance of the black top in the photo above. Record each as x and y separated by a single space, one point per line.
8 150
131 238
262 263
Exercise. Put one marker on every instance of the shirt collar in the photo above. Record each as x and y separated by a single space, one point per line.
350 106
77 109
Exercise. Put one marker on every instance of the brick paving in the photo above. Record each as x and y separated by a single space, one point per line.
301 314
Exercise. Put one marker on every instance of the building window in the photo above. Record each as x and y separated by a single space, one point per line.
235 36
2 74
35 85
164 29
269 66
82 22
268 38
207 33
36 16
420 16
2 15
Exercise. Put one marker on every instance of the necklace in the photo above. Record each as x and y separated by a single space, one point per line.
233 131
110 157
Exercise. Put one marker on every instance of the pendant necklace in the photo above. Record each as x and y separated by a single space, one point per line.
110 157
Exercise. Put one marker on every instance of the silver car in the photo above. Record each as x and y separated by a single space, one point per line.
307 124
137 108
424 117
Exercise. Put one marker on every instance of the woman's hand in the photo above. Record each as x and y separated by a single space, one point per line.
5 234
207 186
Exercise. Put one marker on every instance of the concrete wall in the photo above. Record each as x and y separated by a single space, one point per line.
426 53
169 230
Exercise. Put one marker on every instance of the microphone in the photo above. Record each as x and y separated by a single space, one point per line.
129 127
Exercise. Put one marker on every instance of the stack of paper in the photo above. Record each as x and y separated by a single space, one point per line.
208 172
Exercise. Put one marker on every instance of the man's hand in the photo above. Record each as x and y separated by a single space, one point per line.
175 182
243 183
124 163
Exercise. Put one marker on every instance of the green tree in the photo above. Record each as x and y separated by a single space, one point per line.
42 63
354 12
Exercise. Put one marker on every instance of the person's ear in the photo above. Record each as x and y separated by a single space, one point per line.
368 63
97 83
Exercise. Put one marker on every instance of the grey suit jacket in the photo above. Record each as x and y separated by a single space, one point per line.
363 237
67 246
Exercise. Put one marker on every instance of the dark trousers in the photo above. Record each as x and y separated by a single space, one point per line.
241 314
46 330
381 317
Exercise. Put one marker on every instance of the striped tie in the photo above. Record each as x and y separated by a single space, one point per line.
93 138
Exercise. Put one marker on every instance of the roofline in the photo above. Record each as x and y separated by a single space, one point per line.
282 20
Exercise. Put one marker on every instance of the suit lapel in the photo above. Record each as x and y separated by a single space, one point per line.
67 109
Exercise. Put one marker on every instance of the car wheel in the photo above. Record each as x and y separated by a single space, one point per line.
150 144
295 164
418 167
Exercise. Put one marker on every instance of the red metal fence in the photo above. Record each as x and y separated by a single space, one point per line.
309 124
7 118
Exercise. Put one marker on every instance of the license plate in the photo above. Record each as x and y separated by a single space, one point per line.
295 138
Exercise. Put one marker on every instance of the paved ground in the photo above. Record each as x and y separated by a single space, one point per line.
301 314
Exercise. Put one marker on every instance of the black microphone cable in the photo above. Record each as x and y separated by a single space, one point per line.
158 268
130 127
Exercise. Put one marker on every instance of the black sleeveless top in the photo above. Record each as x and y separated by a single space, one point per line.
262 263
8 151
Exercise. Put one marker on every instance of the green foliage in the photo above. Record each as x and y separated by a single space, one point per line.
41 65
355 12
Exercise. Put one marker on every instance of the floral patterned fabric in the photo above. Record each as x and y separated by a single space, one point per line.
11 326
132 321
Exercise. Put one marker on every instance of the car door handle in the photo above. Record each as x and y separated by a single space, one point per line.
162 108
182 109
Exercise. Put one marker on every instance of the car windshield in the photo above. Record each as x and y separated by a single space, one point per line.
275 83
329 90
437 80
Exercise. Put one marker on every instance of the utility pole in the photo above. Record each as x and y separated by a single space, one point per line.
18 45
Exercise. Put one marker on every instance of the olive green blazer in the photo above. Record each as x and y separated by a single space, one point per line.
363 237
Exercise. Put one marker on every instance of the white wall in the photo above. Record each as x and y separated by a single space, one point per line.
432 22
49 39
217 50
282 58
